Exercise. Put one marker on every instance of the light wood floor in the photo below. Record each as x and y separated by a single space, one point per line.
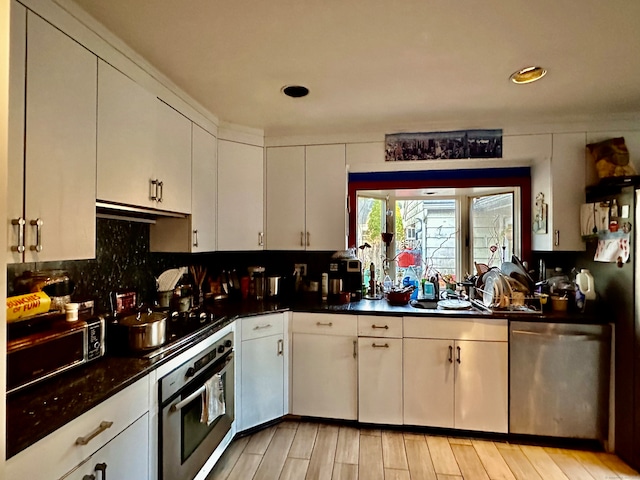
315 451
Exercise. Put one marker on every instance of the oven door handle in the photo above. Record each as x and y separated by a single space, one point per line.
182 403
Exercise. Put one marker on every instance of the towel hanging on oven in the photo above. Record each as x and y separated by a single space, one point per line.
212 399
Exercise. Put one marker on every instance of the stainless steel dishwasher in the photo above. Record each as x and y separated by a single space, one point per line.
559 379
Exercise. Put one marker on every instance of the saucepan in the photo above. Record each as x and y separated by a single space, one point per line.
145 330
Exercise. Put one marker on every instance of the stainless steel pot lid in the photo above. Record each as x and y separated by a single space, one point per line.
143 319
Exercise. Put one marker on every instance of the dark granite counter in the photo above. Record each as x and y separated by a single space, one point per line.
37 411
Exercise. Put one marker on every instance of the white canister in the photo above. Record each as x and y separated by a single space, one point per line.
71 310
586 284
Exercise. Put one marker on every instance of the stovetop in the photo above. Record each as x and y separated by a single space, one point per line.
183 328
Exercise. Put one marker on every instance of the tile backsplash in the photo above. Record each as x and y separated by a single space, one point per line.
123 261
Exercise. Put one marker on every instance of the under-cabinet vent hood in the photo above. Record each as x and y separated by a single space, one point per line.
117 211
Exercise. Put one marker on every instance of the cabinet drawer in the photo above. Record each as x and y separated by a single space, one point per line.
325 324
378 326
58 452
262 326
456 328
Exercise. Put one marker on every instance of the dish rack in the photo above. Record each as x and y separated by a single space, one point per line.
510 303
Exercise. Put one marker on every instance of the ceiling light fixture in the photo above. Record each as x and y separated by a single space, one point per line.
528 75
295 91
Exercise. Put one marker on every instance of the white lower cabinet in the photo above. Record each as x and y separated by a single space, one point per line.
125 457
115 432
458 378
379 385
324 365
262 370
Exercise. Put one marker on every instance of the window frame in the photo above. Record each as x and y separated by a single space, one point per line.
517 178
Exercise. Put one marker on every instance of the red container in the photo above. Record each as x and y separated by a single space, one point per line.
399 298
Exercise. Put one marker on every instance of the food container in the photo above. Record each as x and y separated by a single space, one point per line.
145 330
273 286
164 298
559 304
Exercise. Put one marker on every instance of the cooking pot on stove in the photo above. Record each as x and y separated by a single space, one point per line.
145 330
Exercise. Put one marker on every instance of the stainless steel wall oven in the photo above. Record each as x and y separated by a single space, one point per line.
186 442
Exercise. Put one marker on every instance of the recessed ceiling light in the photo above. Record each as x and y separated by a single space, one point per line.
528 75
295 91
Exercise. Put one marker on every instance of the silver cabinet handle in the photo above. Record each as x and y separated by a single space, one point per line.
258 327
161 189
20 223
386 327
102 467
302 239
324 324
195 238
450 354
308 239
153 190
38 224
260 239
101 428
458 357
375 345
355 348
280 346
556 236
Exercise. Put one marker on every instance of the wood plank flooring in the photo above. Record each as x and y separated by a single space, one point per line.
294 450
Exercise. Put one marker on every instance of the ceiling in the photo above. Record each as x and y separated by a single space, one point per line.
383 65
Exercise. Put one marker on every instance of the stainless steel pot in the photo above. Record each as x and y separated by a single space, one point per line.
273 286
145 330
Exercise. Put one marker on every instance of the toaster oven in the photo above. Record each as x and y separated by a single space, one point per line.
62 345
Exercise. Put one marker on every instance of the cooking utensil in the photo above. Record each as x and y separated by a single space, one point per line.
145 330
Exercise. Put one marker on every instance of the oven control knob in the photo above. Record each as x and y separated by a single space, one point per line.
228 344
220 348
191 372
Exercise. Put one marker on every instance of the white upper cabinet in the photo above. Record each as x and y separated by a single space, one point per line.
59 147
172 160
197 232
240 196
286 198
126 134
562 181
306 198
326 197
144 146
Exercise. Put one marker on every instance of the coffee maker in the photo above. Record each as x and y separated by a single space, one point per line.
349 270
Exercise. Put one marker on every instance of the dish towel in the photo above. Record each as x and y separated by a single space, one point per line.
212 399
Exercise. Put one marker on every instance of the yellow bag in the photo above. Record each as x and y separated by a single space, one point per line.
27 305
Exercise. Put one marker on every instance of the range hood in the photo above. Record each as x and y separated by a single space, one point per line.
116 211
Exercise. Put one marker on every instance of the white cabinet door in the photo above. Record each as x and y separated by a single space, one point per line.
379 380
240 196
203 194
286 198
262 380
196 233
428 382
324 378
172 159
127 118
562 180
326 197
15 167
125 457
60 146
481 386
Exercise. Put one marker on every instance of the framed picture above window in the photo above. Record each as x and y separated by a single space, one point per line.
402 147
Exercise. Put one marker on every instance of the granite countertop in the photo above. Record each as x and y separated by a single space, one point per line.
38 410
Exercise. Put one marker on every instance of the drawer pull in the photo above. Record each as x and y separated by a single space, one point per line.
324 324
280 347
355 348
386 327
258 327
101 428
101 467
375 345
